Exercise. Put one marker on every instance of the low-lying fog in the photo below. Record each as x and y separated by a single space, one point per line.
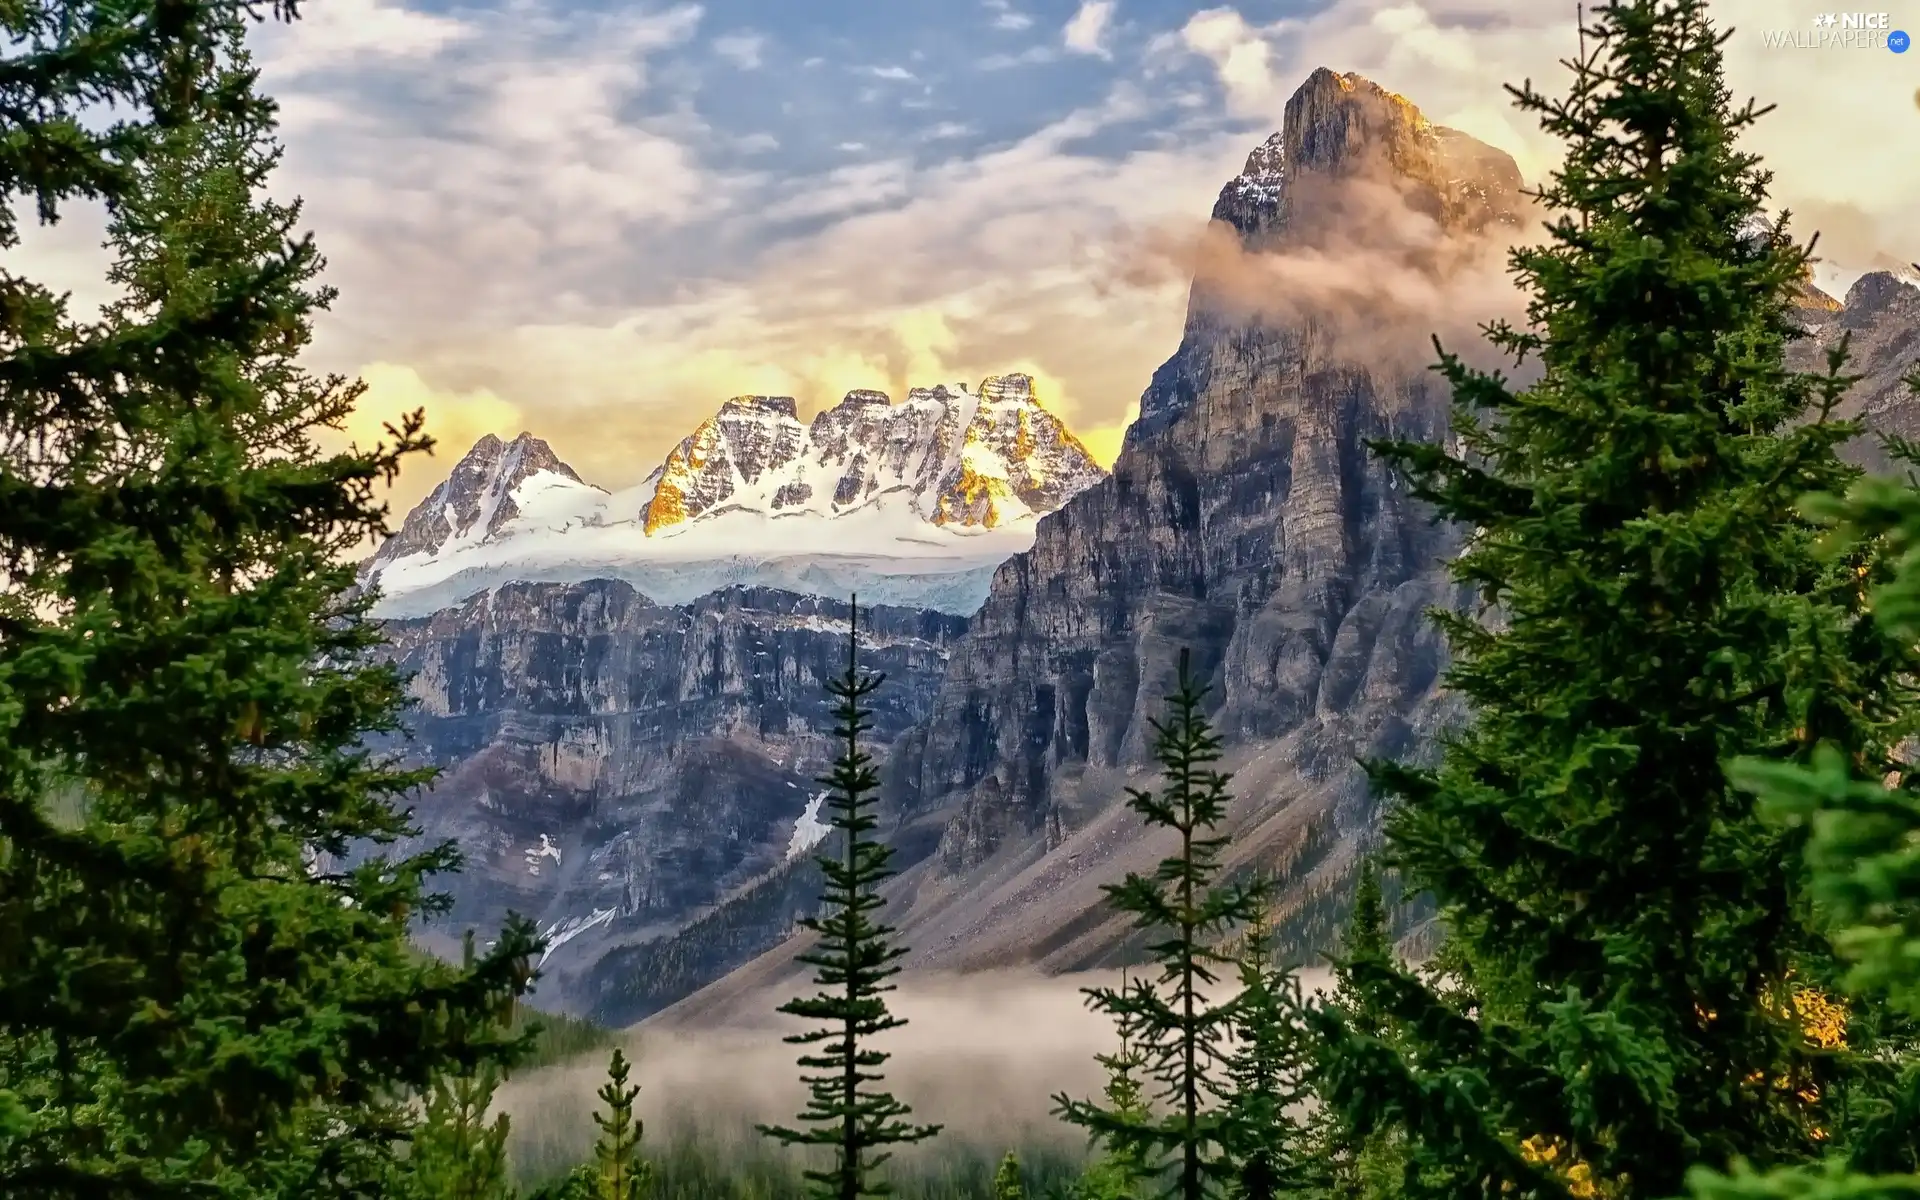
982 1055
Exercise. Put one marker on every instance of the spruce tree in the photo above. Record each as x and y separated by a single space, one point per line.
1120 1171
620 1173
853 956
1268 1076
456 1152
1188 911
1007 1183
190 1001
1626 921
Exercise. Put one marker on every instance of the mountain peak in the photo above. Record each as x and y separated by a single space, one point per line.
779 406
479 496
1339 126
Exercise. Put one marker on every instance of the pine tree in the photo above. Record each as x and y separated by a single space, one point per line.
1181 1033
1626 921
620 1174
1268 1075
853 956
190 1001
1007 1183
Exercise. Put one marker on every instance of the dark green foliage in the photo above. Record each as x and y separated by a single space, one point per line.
619 1171
1268 1073
1186 910
192 1001
1625 922
1864 849
853 957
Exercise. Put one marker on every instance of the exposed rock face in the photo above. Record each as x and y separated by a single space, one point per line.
1881 320
961 458
1343 137
613 766
1245 519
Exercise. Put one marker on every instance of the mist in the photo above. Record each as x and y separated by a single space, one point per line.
1373 275
982 1054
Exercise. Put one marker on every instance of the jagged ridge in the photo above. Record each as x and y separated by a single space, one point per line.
923 498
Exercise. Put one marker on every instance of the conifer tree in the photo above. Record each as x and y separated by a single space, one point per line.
1625 920
456 1152
1864 851
853 956
620 1174
1268 1074
1369 1167
1007 1183
190 1003
1121 1171
1188 910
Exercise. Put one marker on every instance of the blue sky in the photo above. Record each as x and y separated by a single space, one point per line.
595 220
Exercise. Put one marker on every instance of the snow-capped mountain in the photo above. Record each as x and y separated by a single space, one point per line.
910 504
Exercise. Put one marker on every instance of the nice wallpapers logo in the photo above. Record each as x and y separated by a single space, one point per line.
1842 31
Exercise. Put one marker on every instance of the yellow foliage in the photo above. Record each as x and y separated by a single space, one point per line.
1554 1154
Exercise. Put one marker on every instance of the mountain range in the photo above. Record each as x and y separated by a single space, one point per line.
911 504
624 688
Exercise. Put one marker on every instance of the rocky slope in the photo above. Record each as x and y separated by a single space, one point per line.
910 504
614 766
617 760
1244 520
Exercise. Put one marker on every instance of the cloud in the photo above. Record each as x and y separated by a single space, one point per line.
1240 55
1008 18
351 31
486 186
1372 275
890 72
1083 33
741 49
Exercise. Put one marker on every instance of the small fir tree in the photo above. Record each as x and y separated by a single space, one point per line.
1121 1170
1268 1074
1007 1183
853 957
620 1173
1184 906
457 1152
1360 1167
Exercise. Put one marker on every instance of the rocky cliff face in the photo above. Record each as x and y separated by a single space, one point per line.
613 766
1244 520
